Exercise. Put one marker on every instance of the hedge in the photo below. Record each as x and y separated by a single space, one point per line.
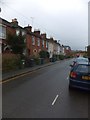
10 62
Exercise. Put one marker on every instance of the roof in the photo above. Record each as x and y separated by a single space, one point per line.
81 59
84 63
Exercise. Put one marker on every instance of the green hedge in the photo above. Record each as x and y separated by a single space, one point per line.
10 62
44 54
37 61
61 57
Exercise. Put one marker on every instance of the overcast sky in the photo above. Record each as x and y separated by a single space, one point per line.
64 20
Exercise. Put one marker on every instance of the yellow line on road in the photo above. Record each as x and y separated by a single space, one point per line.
21 75
10 79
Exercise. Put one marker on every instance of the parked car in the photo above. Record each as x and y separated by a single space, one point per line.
78 60
80 76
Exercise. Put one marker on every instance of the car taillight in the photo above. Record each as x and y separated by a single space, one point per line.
73 74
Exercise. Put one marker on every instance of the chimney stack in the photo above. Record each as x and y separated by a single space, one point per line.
28 28
37 31
43 35
14 22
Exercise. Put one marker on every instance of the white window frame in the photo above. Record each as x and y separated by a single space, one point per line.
3 31
46 44
24 40
33 40
43 43
23 33
38 42
17 32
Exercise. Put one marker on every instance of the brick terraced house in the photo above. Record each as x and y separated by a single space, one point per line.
34 41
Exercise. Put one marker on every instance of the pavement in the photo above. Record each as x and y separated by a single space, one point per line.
22 71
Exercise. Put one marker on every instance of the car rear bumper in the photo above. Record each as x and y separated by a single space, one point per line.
79 84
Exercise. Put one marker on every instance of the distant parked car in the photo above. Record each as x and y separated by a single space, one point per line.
78 60
80 76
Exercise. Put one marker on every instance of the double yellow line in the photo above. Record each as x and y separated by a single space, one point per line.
20 75
16 77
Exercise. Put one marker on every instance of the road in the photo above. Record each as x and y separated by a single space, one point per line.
44 94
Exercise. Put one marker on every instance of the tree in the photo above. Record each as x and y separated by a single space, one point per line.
44 54
16 43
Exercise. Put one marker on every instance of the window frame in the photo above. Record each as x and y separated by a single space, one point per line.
38 42
46 44
17 32
43 42
33 40
3 31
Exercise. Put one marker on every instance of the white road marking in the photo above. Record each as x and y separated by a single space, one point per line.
55 100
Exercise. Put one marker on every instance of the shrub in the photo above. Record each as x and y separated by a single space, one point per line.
37 61
16 43
44 54
10 62
61 57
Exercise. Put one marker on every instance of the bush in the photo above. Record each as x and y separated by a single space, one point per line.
44 54
61 57
10 62
37 61
67 56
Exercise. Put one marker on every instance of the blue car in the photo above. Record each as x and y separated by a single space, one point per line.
80 76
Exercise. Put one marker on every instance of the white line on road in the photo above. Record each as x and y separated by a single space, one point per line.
55 100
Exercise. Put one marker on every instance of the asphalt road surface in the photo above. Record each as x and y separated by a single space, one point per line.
44 94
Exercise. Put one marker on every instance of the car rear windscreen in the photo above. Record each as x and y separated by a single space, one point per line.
83 69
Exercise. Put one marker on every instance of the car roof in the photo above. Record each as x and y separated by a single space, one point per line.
84 63
81 58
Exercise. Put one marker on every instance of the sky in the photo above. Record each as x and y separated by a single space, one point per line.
64 20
